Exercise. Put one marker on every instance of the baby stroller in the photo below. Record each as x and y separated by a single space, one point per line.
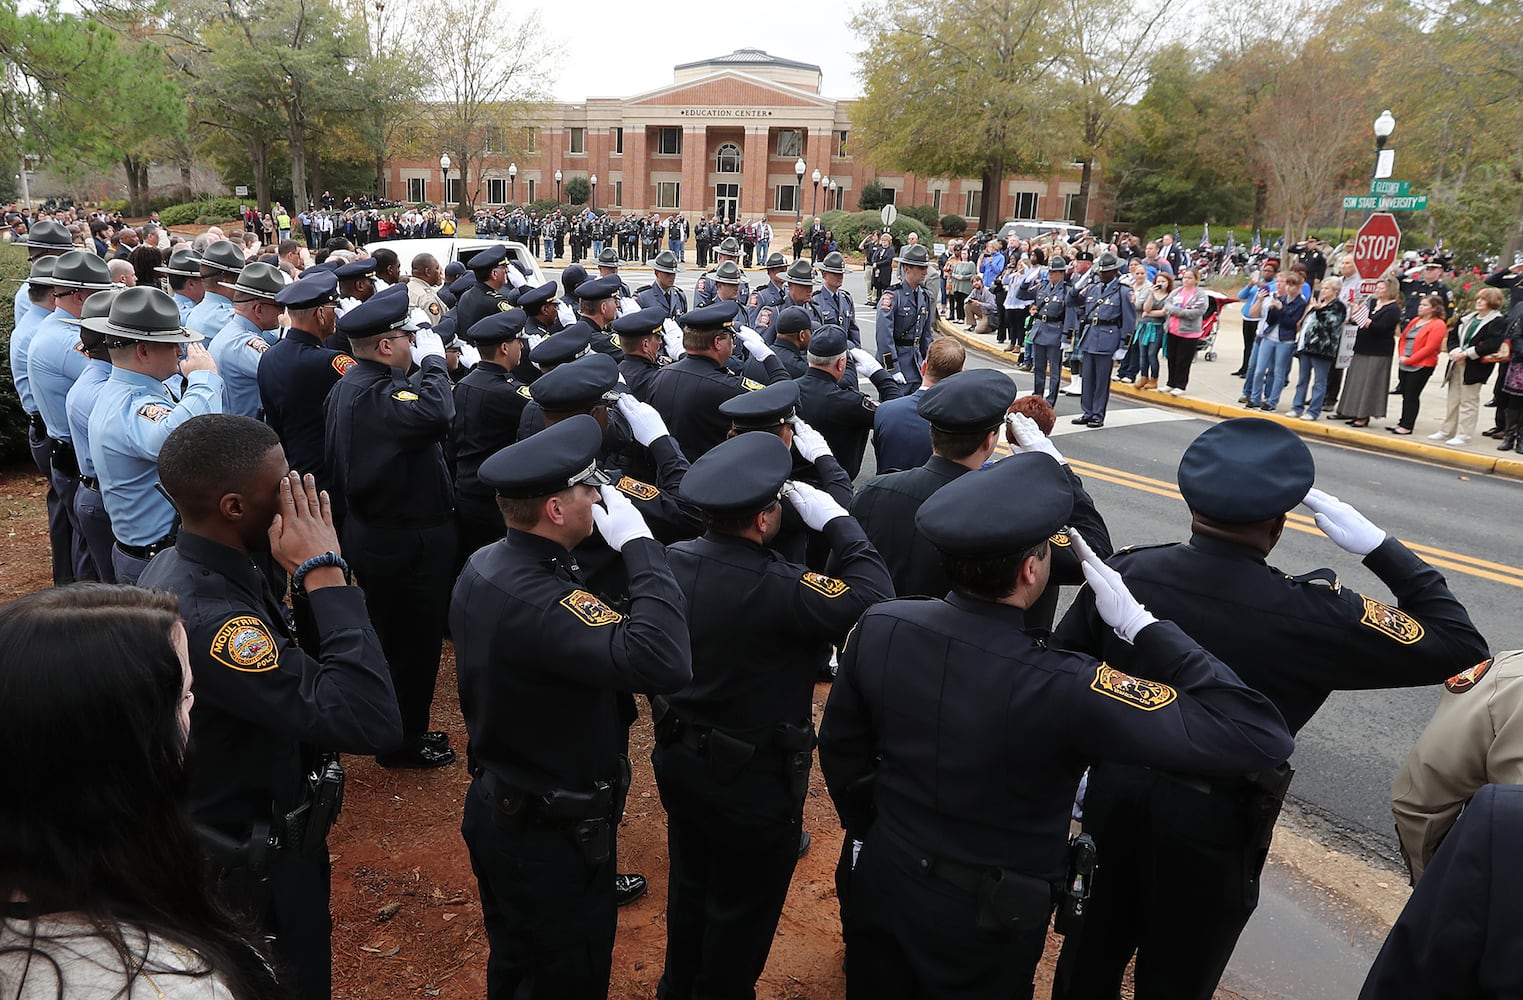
1216 301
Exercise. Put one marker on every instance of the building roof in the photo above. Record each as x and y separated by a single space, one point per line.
750 57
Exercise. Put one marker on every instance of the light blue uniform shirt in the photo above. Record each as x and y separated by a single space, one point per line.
210 314
185 305
21 344
237 350
54 363
79 404
22 306
132 417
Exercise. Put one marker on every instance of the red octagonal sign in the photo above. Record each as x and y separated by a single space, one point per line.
1375 248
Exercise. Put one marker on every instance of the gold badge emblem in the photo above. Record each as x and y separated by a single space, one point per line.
245 645
1138 692
750 385
1061 539
154 411
827 585
523 391
1467 679
433 308
343 363
637 489
1394 622
406 396
590 609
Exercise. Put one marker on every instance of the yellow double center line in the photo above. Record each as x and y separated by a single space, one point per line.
1442 558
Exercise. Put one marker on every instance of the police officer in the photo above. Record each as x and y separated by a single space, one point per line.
546 668
641 338
273 707
89 509
608 267
241 345
184 274
1239 478
484 296
706 291
597 308
664 293
832 305
1080 275
45 239
356 283
734 748
384 444
790 342
954 885
688 391
729 280
906 316
563 348
766 300
843 415
220 263
1107 320
488 403
1428 281
1048 312
39 293
134 414
423 287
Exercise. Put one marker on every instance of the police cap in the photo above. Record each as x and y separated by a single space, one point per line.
791 320
968 402
1084 255
776 262
1245 470
355 270
800 273
184 263
381 313
829 341
765 409
609 258
559 348
453 270
716 317
978 513
599 288
640 324
729 247
558 457
572 277
665 262
739 477
530 299
833 262
914 255
496 327
486 261
462 284
578 385
728 273
511 296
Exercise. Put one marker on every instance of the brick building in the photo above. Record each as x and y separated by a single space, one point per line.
727 135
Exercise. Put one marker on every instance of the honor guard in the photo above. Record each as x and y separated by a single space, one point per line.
39 292
488 403
541 320
843 415
1048 312
641 337
134 414
45 239
546 671
489 269
89 508
906 316
765 301
1240 479
832 305
953 888
597 308
241 345
1107 320
423 287
664 293
385 446
184 274
706 292
734 747
220 263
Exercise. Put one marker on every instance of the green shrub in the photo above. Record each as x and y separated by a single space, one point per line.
871 198
925 213
544 206
850 228
13 422
213 210
954 225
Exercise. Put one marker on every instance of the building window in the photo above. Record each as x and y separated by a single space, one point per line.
618 190
452 195
889 194
972 204
787 199
727 160
618 141
533 189
578 141
417 189
669 142
668 192
790 142
531 142
497 191
1071 208
841 144
936 200
1025 205
491 139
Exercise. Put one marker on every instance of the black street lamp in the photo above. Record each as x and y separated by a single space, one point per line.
1384 126
799 166
557 188
814 206
513 183
592 199
444 169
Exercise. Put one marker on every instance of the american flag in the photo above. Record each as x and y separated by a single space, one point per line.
1205 236
1360 316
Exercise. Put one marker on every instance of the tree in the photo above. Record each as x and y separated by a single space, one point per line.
871 198
577 190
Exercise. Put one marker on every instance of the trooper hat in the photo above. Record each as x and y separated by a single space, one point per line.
800 273
96 307
776 262
728 273
48 235
729 246
1107 261
609 258
42 272
834 263
183 263
223 255
666 262
143 313
1057 264
260 281
914 255
80 269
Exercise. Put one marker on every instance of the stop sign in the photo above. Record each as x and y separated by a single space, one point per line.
1375 247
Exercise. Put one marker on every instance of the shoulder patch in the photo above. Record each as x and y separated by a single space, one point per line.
1393 622
755 300
502 306
245 644
1467 679
635 488
433 307
153 411
523 391
343 363
257 343
1061 539
869 403
405 395
750 385
590 609
827 585
763 318
1138 692
887 302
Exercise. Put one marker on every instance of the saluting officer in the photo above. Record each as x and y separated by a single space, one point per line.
1048 313
568 345
1107 320
764 301
184 274
1295 638
734 748
356 283
220 263
597 308
135 413
906 316
240 346
843 414
488 403
641 336
385 447
664 293
954 885
832 305
706 292
546 671
484 296
273 707
89 508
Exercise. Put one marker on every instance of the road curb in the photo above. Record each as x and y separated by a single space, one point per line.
1510 467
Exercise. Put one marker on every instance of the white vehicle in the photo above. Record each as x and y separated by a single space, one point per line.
447 248
1030 229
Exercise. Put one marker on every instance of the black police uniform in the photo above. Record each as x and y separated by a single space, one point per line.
640 372
735 746
1295 638
955 882
640 375
794 359
385 448
268 706
488 403
546 671
1414 290
479 300
843 415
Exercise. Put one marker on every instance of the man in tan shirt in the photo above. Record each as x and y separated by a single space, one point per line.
1475 738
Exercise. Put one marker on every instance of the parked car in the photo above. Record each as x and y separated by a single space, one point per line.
448 248
1030 229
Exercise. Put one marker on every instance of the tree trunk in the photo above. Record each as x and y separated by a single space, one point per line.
462 208
185 178
1260 201
1081 206
314 175
989 211
135 197
259 160
297 138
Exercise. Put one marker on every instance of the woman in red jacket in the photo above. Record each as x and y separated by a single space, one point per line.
1419 348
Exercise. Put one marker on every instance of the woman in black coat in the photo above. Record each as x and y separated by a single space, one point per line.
1476 336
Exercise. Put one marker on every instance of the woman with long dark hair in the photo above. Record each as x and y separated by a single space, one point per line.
101 878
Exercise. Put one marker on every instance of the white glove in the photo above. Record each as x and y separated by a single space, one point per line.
1115 604
810 442
671 335
617 519
644 421
815 506
1118 354
426 344
469 356
1349 529
867 365
899 377
1028 437
753 343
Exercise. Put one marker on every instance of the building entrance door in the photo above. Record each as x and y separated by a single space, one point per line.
727 201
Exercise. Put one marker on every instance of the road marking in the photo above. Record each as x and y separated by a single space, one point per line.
1124 418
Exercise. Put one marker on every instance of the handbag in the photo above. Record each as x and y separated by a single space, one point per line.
1504 353
1513 383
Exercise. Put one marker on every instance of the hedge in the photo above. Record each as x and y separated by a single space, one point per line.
211 210
13 422
954 225
850 228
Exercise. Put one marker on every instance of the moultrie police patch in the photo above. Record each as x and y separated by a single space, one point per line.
1138 692
827 585
245 644
637 489
1467 679
154 411
590 609
405 395
1393 622
343 363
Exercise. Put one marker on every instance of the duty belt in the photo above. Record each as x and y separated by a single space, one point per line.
90 483
146 551
38 424
1105 322
972 879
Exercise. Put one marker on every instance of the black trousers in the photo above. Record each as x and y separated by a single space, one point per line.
478 528
1181 357
550 916
733 845
292 909
1178 881
406 574
1250 331
1411 384
60 527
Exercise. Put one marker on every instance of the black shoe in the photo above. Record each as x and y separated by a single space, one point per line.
1097 422
1079 420
628 888
1495 432
420 755
803 842
1395 391
1239 374
436 739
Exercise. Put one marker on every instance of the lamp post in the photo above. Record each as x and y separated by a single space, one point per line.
557 189
825 186
444 169
799 166
513 183
830 199
1384 126
814 205
592 199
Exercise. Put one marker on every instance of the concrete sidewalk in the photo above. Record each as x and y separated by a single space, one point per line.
1214 392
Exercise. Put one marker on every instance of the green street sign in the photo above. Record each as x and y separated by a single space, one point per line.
1393 189
1385 203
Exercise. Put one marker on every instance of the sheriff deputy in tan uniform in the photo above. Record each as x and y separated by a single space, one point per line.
1475 738
423 287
